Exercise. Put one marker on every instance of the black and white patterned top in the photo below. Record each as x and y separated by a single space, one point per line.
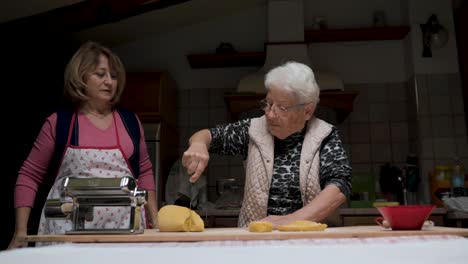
285 197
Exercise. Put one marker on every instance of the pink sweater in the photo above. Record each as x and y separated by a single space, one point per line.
34 168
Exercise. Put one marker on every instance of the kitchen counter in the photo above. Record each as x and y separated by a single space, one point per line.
223 234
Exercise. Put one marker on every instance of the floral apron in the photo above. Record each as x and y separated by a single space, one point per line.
87 161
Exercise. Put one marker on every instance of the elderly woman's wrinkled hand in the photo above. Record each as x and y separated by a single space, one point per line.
195 160
278 220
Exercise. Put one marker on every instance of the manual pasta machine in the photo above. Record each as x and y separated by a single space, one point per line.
79 198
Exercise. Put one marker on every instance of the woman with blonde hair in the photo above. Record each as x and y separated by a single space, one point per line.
93 139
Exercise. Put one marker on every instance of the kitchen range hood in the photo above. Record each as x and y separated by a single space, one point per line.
286 43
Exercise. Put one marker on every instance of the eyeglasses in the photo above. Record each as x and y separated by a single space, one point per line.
267 107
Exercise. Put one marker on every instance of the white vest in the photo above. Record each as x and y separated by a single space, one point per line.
259 167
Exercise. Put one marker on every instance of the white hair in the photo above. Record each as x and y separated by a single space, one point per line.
296 78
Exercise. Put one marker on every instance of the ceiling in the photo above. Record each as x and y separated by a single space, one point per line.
10 10
124 27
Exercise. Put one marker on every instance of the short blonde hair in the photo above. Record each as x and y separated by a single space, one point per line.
84 61
297 78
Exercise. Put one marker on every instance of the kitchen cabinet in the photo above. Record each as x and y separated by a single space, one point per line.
153 97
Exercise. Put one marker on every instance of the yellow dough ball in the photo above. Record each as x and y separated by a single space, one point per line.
303 225
260 226
174 218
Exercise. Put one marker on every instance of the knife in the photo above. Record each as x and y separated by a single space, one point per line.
192 197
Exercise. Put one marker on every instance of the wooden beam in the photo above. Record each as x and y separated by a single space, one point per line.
83 15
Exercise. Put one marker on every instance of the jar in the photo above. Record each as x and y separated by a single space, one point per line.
440 184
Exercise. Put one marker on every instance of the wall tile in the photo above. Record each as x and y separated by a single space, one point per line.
363 96
360 113
458 107
398 111
397 92
183 98
381 152
462 147
400 151
379 112
378 93
444 148
217 116
399 131
216 98
183 117
199 118
423 106
454 81
199 98
411 102
380 132
421 87
440 105
442 126
360 153
459 125
438 85
359 133
427 148
425 127
362 168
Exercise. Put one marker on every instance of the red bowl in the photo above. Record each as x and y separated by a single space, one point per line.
406 217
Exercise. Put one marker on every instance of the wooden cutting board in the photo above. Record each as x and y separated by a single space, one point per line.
213 234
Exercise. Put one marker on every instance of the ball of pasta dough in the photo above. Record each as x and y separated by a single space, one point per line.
174 218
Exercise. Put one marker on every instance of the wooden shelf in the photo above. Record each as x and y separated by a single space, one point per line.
356 34
257 59
341 101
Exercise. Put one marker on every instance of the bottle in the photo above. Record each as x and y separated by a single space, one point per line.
457 187
412 178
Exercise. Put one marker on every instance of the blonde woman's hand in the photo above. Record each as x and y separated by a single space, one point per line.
18 241
195 160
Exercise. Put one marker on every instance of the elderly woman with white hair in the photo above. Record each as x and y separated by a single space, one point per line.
296 166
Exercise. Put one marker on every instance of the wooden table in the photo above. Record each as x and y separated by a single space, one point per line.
219 234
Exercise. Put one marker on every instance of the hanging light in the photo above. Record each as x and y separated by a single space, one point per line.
435 36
